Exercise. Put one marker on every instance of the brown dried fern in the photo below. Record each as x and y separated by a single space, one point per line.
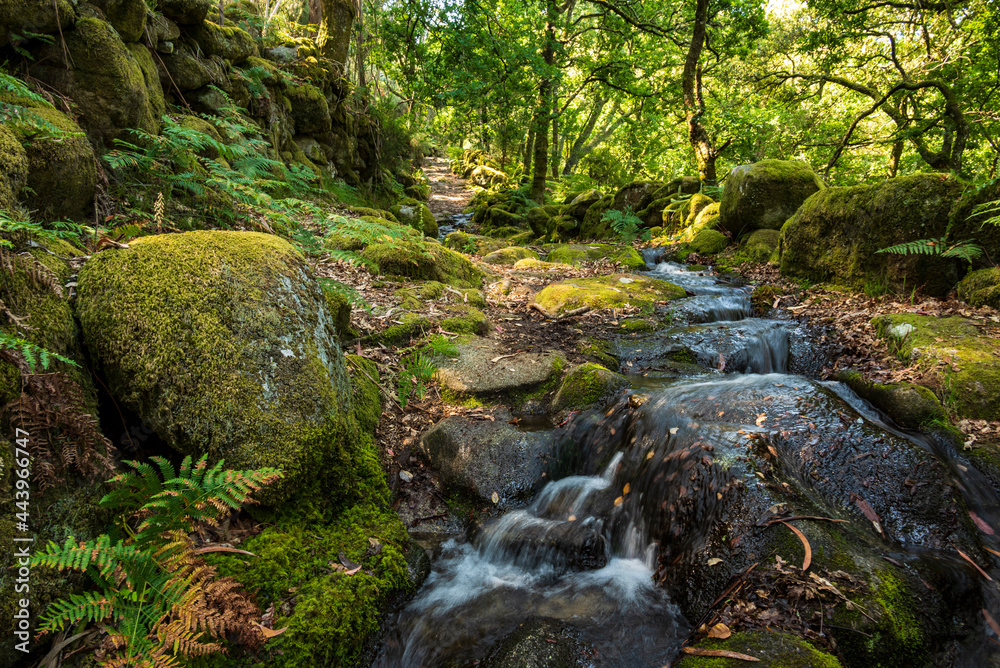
65 437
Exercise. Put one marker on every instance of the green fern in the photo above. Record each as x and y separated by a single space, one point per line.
154 595
16 99
962 250
418 370
625 223
33 355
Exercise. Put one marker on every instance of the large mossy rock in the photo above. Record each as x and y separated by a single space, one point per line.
586 386
13 168
510 255
127 16
473 244
417 215
593 227
105 82
611 291
224 344
62 170
310 109
185 12
961 365
636 196
576 254
42 17
709 242
765 194
981 287
426 261
761 245
231 43
580 204
910 406
837 233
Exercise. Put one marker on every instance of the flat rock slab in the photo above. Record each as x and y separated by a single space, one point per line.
485 455
484 366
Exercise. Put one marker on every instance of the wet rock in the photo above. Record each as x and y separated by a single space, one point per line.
487 457
836 234
908 405
540 643
510 255
530 541
603 292
955 361
766 194
474 371
587 385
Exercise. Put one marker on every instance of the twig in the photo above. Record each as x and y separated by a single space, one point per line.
378 385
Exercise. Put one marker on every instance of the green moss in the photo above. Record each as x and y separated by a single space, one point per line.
460 398
774 650
13 168
600 350
532 263
606 292
575 254
981 287
969 381
339 306
709 242
426 261
362 211
222 342
910 406
472 321
410 326
586 385
836 234
228 42
510 255
764 195
635 325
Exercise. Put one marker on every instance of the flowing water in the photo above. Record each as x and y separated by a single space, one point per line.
722 401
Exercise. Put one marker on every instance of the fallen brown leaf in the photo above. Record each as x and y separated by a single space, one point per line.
720 631
724 653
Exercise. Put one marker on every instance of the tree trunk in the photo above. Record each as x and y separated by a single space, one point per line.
544 113
315 11
555 148
897 153
334 36
694 105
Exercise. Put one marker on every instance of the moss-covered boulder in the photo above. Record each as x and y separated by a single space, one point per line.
466 320
127 16
765 194
417 215
585 386
510 255
593 227
224 344
487 177
62 170
228 42
13 168
709 242
185 12
769 648
958 363
105 82
310 109
761 245
707 219
576 254
636 195
837 233
611 291
41 17
186 68
981 287
582 202
473 244
424 261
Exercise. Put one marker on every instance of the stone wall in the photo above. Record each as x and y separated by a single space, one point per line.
122 67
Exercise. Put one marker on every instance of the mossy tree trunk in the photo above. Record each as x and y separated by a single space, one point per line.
335 22
543 114
705 151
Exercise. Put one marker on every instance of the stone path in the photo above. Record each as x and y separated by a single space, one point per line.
449 193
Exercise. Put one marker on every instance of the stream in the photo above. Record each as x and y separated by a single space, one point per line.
725 421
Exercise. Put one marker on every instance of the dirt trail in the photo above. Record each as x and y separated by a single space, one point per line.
449 193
